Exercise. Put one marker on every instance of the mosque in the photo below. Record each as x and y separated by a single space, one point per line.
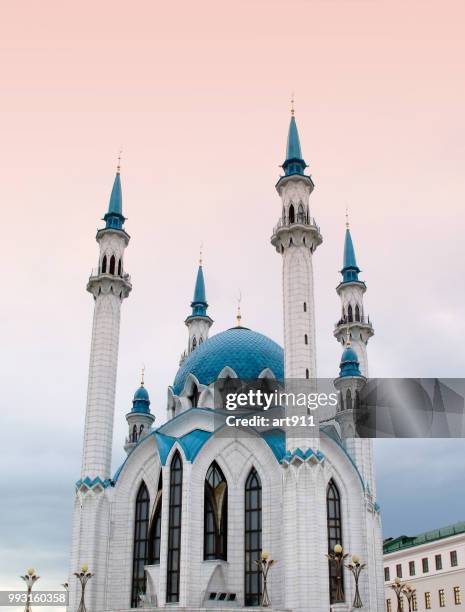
182 521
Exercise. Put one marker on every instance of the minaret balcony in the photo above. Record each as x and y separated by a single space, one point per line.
299 231
105 282
362 325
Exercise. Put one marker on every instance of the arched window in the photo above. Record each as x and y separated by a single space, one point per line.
140 545
215 527
306 339
112 264
194 343
194 396
253 538
141 429
357 313
134 433
307 373
174 530
200 340
155 527
349 400
349 314
333 509
291 214
305 306
119 267
300 214
104 264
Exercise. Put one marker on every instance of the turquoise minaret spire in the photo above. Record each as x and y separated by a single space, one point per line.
350 270
198 322
294 163
199 302
114 217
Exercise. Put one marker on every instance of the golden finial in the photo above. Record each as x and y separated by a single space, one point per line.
239 316
347 217
118 167
201 251
142 376
292 105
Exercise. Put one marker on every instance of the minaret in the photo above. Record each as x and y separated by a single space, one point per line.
296 237
109 284
353 318
198 322
140 418
350 385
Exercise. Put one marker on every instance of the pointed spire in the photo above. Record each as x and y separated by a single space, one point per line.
350 269
114 217
199 301
239 314
294 163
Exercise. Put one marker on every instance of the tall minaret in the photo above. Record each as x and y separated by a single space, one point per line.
353 330
109 284
296 236
198 322
354 323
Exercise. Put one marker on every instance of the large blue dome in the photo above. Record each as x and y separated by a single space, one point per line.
247 352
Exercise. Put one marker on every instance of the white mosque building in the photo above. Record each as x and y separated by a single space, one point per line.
180 524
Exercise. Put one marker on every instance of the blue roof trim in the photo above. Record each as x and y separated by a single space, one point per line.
303 455
191 443
276 440
350 270
90 483
246 352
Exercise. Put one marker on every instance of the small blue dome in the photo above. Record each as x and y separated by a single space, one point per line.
246 352
349 363
141 401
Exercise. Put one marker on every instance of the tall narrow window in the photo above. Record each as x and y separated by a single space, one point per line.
300 214
194 396
348 400
438 561
414 603
350 316
334 523
253 538
112 264
119 267
155 527
457 596
453 558
442 598
305 306
425 565
306 338
386 574
291 214
428 600
194 343
134 434
399 570
215 529
307 373
357 313
174 530
140 544
411 568
104 264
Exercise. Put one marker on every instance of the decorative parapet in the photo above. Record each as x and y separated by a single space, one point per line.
298 457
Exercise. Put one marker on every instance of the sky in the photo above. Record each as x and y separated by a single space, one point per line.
197 96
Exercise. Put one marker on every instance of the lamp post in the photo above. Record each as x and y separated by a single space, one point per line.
30 577
398 588
264 565
409 592
356 567
83 576
337 559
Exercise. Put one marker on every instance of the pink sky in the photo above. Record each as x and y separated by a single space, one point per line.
197 94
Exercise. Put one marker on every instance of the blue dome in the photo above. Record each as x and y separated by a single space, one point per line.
141 401
349 363
246 352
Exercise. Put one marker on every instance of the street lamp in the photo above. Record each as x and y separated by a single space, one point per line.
264 564
356 567
337 559
83 576
29 578
409 592
398 588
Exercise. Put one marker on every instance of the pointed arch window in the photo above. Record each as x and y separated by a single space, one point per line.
134 433
155 527
140 544
350 315
253 538
104 264
194 396
349 400
194 343
306 339
215 528
291 214
357 312
174 530
334 523
112 264
119 267
300 214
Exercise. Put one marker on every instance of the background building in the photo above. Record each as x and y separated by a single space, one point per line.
433 562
